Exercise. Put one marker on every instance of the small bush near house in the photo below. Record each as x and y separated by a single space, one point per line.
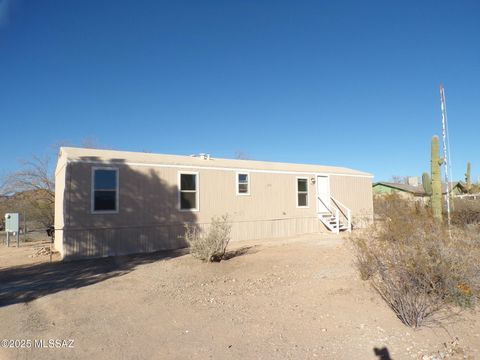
416 266
211 245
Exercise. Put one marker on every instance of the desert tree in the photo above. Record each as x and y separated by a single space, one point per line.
397 179
242 155
33 188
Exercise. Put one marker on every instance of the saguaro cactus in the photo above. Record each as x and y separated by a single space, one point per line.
468 179
427 183
436 162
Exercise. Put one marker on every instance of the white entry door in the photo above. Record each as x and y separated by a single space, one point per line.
323 194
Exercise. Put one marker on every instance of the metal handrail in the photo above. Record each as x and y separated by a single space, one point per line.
337 221
337 212
348 215
338 202
328 207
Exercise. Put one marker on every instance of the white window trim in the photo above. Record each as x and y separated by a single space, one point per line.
237 183
296 193
197 190
117 197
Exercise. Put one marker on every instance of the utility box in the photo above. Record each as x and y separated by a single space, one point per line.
11 222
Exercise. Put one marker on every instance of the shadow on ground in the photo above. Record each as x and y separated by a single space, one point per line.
382 354
240 252
29 282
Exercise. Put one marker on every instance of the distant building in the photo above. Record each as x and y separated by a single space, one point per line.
413 180
404 190
414 192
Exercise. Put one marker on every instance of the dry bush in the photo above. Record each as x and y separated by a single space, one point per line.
415 266
209 246
465 250
386 206
466 212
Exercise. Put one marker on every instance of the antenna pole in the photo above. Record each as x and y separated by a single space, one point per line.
445 152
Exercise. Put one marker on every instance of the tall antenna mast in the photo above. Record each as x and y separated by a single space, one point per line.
446 154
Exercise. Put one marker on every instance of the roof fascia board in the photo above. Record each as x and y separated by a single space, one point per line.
179 166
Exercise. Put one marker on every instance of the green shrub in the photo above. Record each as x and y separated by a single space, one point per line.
415 266
209 246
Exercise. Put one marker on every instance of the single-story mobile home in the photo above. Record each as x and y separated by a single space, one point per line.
114 202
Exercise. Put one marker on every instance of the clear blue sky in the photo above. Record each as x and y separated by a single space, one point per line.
347 83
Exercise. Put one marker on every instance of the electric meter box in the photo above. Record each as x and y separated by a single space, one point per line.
11 222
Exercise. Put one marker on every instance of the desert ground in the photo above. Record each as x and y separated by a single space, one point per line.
295 298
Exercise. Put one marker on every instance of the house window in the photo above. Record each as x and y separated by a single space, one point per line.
188 191
302 192
243 184
105 190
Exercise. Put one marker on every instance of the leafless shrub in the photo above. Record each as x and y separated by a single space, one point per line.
398 179
387 206
242 155
209 246
466 212
464 253
415 266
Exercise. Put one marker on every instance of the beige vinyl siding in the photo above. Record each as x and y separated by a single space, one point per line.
100 242
356 193
150 197
272 196
149 217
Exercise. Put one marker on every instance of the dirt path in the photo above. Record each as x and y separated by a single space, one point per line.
282 300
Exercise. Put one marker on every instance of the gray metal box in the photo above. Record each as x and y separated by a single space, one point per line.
11 222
